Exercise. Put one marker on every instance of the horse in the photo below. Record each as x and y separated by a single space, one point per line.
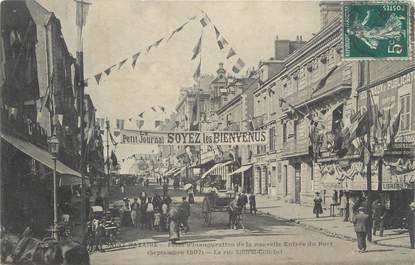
25 249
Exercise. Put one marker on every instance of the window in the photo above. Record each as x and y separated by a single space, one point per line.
315 71
405 107
273 176
279 172
272 139
120 124
295 129
284 133
301 79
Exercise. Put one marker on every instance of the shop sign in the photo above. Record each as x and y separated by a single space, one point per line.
134 137
398 175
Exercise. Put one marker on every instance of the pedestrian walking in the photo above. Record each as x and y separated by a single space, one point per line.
352 211
379 213
126 213
165 189
411 224
122 188
150 214
164 216
343 204
361 227
174 224
318 209
185 214
135 207
157 217
191 195
243 201
252 203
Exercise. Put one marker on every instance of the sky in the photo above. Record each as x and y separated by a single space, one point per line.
115 30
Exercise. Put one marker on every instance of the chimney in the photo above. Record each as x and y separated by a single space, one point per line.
329 10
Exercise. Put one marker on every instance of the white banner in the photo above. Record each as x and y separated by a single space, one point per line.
193 137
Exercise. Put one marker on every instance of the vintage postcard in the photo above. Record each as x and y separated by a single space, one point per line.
207 132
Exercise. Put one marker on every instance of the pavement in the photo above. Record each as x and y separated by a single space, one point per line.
266 239
330 226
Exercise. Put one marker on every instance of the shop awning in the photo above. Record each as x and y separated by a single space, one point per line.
172 171
68 175
179 171
241 169
215 167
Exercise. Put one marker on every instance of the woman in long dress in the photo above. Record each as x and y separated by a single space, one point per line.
174 224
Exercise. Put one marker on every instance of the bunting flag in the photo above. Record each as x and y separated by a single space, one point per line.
196 75
205 20
162 108
122 63
217 32
177 123
135 57
157 124
98 77
141 114
82 8
177 30
154 109
222 42
197 48
238 66
114 159
108 71
230 53
140 124
114 143
185 117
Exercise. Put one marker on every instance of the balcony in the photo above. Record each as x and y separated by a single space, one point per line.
337 80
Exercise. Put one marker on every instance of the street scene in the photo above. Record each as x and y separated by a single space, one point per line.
167 132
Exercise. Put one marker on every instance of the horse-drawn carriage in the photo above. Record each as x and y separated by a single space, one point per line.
215 201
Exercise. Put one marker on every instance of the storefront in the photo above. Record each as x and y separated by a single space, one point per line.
243 178
218 176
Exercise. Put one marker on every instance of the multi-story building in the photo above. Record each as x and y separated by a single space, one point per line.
267 170
38 100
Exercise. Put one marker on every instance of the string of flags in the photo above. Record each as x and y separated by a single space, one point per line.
204 21
134 57
140 121
222 43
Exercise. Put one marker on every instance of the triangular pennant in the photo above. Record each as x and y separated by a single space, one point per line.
177 30
108 71
205 20
230 53
238 66
135 57
122 63
162 108
197 48
141 114
154 109
98 77
196 75
222 42
217 32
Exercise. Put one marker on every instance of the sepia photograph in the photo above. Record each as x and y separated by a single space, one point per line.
207 132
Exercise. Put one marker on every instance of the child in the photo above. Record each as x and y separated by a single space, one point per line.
157 217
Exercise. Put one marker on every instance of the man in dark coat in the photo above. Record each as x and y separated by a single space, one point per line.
411 224
379 213
184 214
361 224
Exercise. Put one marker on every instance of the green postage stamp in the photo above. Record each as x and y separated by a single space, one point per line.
376 30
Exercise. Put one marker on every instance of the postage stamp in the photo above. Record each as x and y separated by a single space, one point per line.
376 30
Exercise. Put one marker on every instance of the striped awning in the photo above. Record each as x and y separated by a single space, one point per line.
217 166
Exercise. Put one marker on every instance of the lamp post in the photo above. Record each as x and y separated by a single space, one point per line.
53 143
